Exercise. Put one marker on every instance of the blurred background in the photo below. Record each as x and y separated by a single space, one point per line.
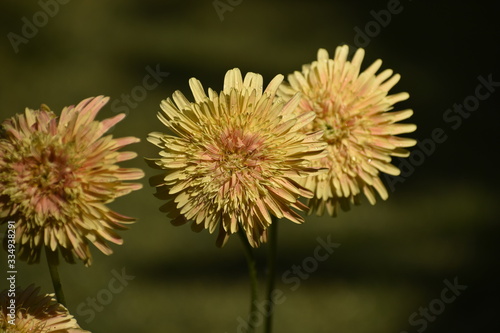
439 224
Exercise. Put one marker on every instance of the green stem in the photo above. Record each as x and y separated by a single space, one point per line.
53 262
252 272
271 272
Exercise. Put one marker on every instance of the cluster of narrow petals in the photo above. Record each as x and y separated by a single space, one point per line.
352 108
234 159
32 312
56 176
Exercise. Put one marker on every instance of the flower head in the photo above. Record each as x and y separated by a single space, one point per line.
56 177
233 157
352 110
34 313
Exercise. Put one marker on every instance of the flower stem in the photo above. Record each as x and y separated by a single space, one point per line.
53 262
271 272
252 272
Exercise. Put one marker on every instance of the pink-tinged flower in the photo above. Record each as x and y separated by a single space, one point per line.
56 177
34 313
231 161
352 109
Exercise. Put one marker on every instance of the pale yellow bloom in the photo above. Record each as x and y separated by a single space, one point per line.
233 157
352 108
34 313
56 177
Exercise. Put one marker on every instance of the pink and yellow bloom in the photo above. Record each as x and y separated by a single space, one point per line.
234 158
56 177
34 313
354 109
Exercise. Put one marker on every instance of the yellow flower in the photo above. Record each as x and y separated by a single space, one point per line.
34 313
352 110
231 161
56 175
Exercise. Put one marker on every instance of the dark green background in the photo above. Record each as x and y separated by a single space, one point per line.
441 223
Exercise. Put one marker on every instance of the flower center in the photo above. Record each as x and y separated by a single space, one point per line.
44 178
240 150
334 121
237 164
49 173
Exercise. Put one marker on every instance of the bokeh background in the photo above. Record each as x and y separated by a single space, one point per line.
441 223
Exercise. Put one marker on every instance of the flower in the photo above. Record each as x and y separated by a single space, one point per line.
352 110
233 157
34 313
56 177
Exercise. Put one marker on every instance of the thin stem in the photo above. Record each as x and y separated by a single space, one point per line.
53 262
271 272
252 272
